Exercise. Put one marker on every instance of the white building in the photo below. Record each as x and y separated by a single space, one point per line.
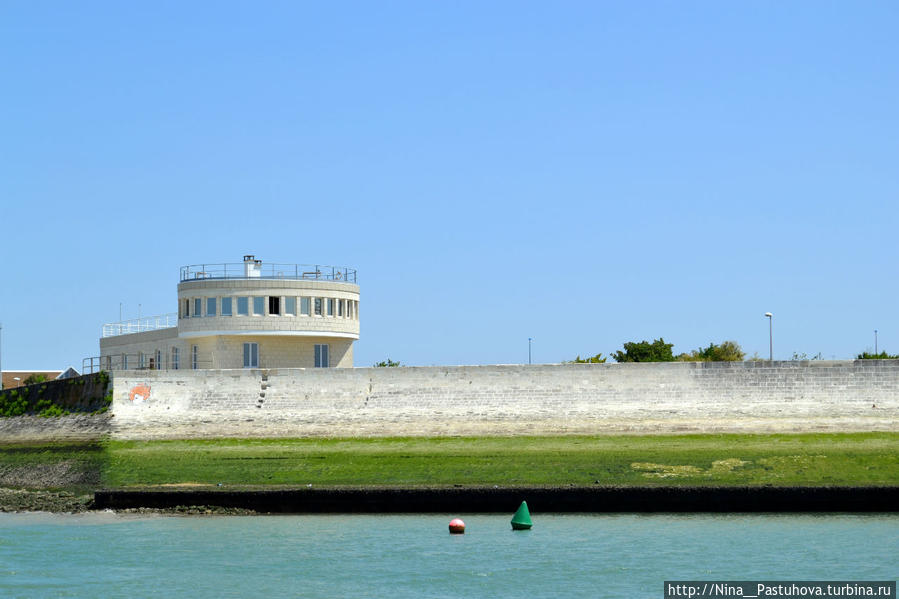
244 315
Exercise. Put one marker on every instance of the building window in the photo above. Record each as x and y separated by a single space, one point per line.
330 306
251 355
321 356
340 304
194 357
290 306
140 360
243 306
274 305
226 306
158 360
176 358
258 306
186 312
318 306
198 306
124 361
304 306
210 306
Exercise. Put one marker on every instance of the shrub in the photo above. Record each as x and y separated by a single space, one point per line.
34 379
597 359
728 351
644 351
388 364
881 356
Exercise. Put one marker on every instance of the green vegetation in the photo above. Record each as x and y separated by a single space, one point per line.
680 460
659 351
597 359
853 459
58 398
73 466
34 379
728 351
13 403
644 351
388 364
881 356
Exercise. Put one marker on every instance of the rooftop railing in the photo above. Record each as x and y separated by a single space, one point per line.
140 325
260 270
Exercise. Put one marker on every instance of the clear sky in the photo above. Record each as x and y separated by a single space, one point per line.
582 173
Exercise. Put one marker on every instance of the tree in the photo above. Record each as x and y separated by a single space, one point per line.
728 351
881 356
388 364
644 351
597 359
34 379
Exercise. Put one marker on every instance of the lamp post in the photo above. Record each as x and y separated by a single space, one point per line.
770 336
529 349
875 342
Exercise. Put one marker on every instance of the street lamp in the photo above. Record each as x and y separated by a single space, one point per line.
770 336
529 349
875 342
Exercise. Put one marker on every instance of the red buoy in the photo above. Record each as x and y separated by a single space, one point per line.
456 527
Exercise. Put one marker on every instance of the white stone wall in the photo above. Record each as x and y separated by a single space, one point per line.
513 399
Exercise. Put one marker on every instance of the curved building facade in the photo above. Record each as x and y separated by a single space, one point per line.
245 315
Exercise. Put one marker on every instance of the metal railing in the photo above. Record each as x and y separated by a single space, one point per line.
145 361
260 270
140 325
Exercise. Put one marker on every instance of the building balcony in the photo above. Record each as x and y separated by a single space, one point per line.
140 325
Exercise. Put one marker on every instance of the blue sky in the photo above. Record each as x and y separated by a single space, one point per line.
581 173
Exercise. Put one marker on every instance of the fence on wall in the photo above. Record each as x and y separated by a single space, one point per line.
146 361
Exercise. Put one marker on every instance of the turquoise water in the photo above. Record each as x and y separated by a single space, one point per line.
398 556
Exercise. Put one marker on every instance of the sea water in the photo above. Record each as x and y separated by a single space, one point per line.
398 556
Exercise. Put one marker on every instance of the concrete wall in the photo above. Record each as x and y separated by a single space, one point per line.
221 351
514 399
275 351
146 343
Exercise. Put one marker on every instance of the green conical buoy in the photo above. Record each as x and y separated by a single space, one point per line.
522 518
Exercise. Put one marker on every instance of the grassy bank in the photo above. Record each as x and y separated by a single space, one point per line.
811 459
683 460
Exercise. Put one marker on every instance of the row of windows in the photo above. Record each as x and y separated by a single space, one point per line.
250 358
271 305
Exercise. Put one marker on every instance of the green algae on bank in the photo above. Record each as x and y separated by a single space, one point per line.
854 459
818 459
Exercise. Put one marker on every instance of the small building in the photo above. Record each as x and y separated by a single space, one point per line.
17 378
244 315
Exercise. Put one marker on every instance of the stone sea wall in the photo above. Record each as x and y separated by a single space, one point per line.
509 400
